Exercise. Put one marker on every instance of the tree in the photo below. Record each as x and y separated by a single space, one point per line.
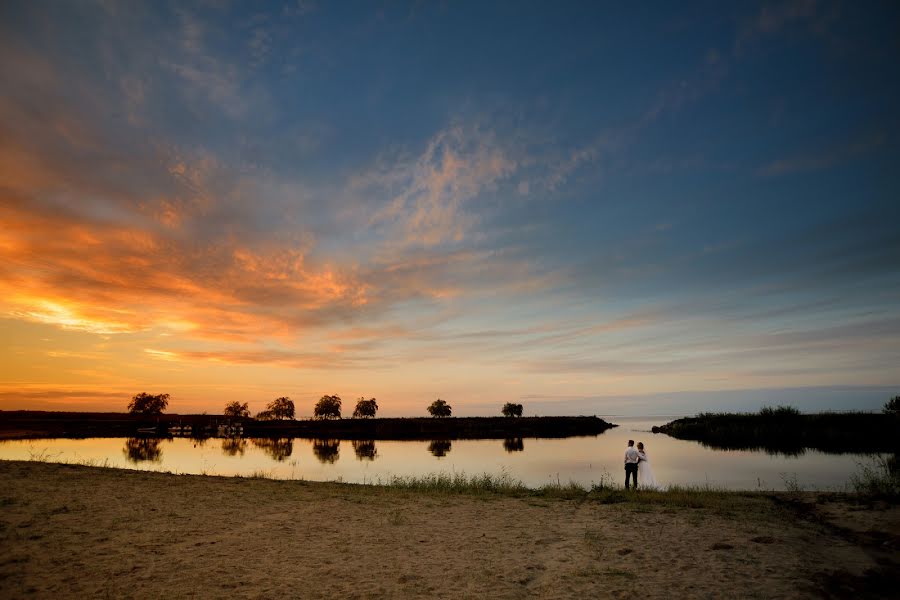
511 409
439 408
892 406
365 408
148 404
328 407
237 410
265 415
281 408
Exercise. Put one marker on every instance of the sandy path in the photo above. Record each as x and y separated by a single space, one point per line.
71 531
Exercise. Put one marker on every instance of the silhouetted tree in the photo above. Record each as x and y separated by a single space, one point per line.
237 410
514 444
327 451
148 404
439 447
281 408
439 408
277 448
265 415
142 450
892 406
364 449
511 410
365 408
328 407
233 446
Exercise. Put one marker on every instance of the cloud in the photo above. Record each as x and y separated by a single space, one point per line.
820 159
430 206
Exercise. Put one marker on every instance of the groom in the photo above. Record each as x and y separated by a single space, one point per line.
631 464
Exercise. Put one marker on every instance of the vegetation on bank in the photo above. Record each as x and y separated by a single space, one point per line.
784 430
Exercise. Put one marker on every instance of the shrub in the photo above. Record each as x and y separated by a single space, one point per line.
237 410
281 408
328 407
892 406
148 404
439 408
511 409
365 408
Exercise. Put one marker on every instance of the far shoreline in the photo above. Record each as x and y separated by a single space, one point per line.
24 424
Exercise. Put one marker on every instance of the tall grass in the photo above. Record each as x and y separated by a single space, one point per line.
879 479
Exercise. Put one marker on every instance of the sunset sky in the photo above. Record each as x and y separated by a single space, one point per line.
584 208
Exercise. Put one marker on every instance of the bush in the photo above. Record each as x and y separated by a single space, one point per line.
439 408
365 408
892 406
511 410
780 412
328 407
148 404
280 408
237 410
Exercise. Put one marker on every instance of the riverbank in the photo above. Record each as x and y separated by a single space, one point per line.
82 531
22 424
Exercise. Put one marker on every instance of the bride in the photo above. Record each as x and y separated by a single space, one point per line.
645 477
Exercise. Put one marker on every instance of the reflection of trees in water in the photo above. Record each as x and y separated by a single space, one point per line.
327 451
199 440
142 449
516 444
234 446
277 448
364 449
439 447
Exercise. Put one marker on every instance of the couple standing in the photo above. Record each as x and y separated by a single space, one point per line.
637 467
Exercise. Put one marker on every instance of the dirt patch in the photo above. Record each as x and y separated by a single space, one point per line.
88 532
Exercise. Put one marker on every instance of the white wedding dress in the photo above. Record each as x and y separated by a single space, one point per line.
645 477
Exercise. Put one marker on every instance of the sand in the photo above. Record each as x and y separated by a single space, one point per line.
76 531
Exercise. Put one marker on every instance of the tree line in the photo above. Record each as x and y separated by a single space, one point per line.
328 407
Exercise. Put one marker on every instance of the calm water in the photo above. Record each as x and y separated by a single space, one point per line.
585 460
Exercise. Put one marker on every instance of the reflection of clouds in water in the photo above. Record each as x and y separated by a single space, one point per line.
439 448
278 449
514 444
142 450
234 446
365 449
327 451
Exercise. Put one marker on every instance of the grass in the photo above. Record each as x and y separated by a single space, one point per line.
674 497
878 480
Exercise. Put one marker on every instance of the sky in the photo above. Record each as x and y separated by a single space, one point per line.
587 208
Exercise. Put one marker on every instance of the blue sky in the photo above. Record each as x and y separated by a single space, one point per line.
582 206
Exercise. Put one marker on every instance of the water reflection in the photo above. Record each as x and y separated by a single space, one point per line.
277 448
439 447
139 450
234 446
364 449
514 444
327 451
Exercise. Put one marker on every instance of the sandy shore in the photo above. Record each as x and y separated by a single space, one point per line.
74 531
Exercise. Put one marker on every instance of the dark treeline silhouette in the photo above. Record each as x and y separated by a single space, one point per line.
784 430
40 424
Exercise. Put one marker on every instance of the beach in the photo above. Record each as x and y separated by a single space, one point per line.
79 531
